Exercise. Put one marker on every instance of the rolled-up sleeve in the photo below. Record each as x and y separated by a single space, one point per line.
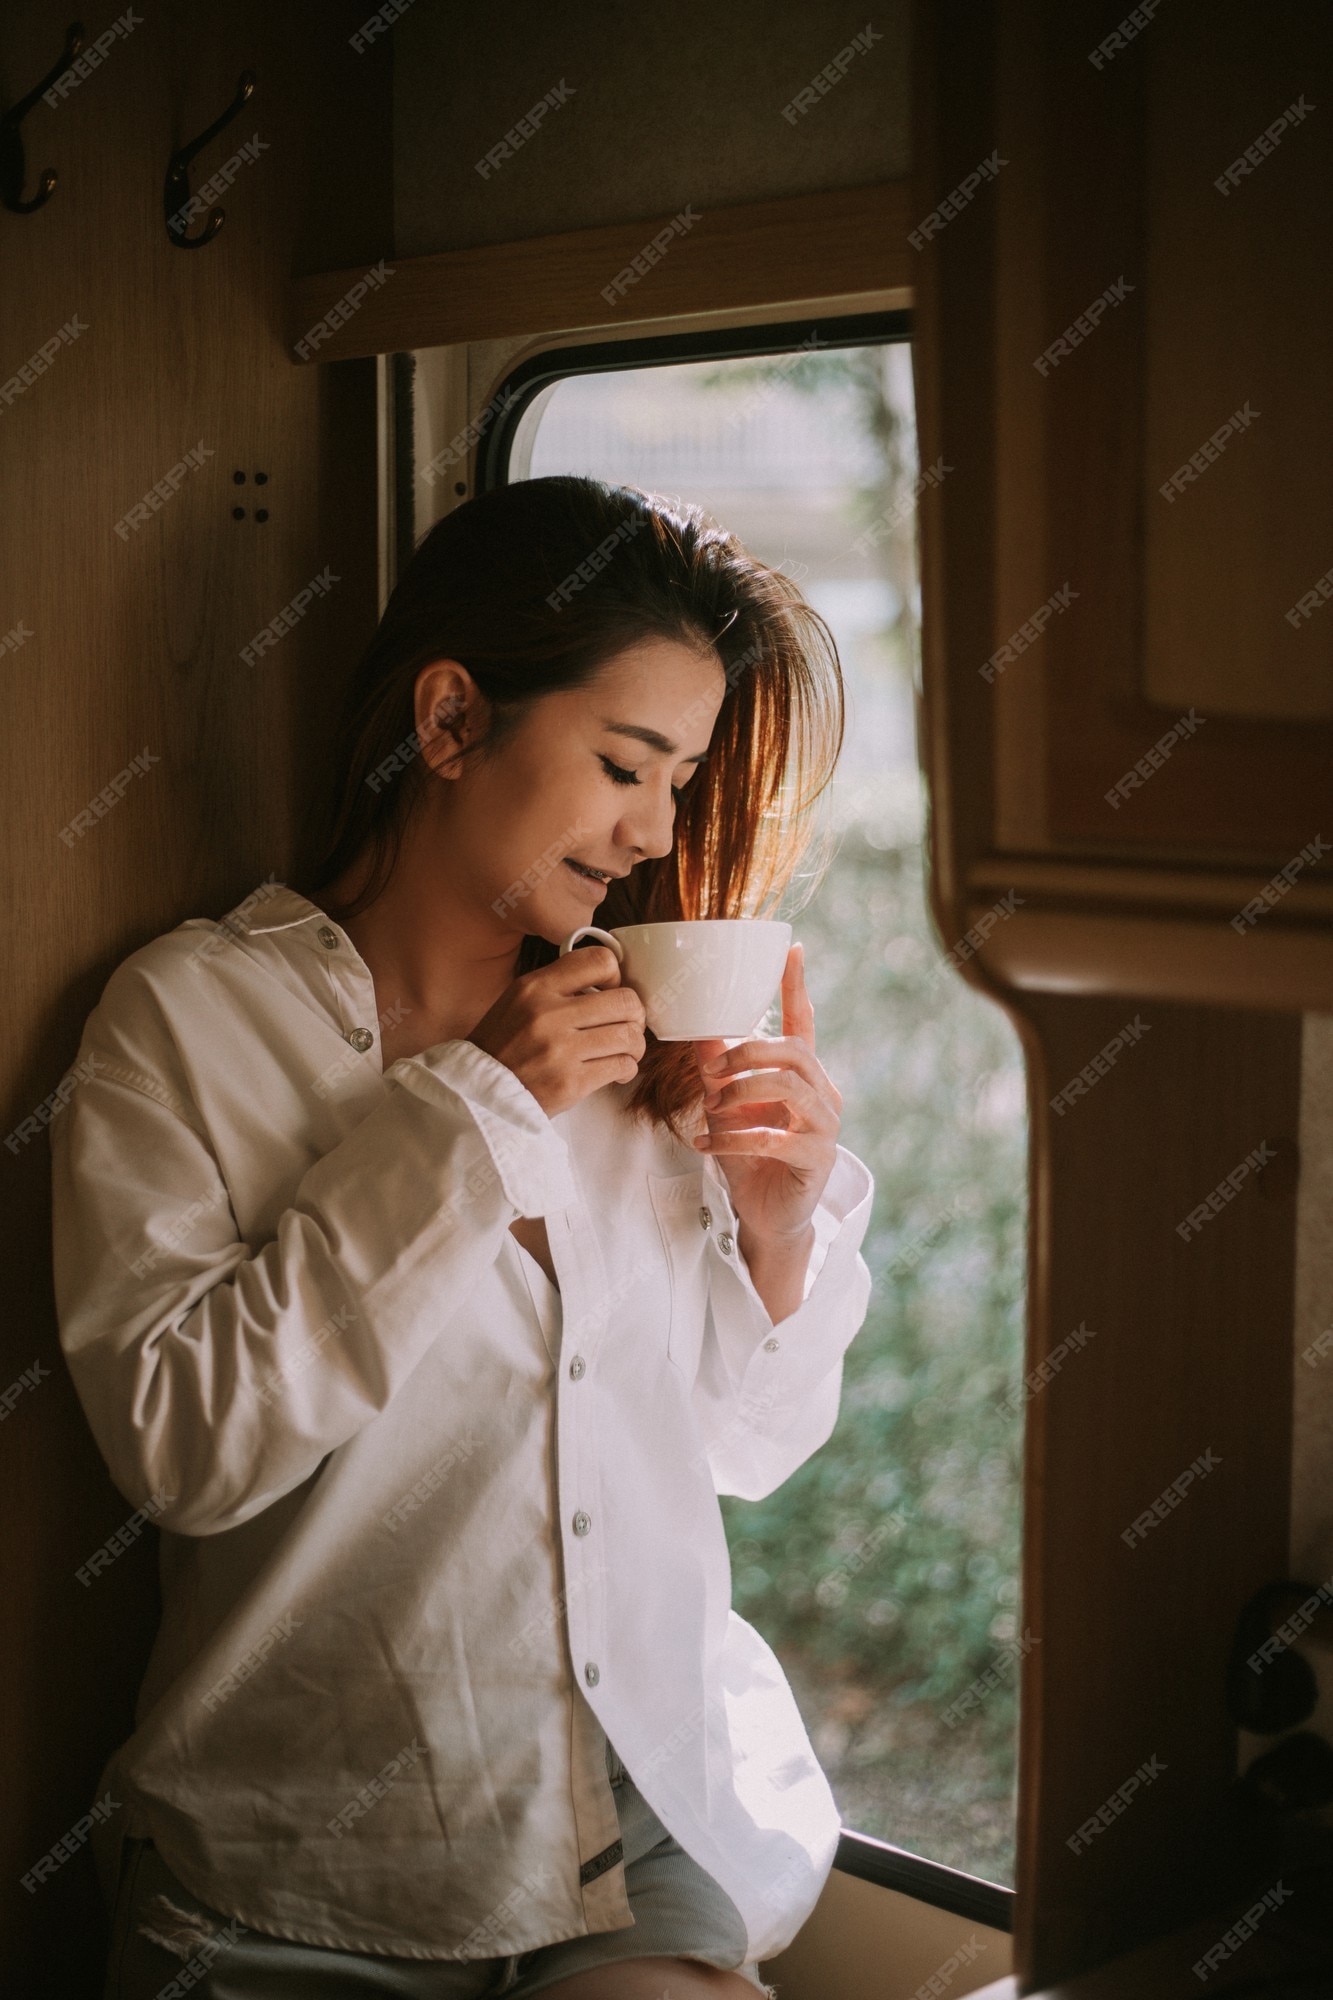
767 1395
193 1353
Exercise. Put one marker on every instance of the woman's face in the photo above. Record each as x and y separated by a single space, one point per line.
588 777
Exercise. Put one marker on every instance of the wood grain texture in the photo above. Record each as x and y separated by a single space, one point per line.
135 646
751 253
1192 1344
1049 486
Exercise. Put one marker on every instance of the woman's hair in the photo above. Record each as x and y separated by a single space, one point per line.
534 588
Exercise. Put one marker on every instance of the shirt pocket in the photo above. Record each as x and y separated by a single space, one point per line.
679 1202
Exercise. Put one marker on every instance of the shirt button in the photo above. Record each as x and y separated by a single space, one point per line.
577 1366
591 1673
328 938
770 1347
582 1523
724 1244
705 1217
361 1040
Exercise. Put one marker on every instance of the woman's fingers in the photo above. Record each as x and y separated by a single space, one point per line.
782 1055
798 1013
787 1088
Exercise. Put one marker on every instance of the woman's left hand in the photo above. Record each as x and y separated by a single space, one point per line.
775 1133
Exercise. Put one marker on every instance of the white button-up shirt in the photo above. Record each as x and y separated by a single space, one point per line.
431 1530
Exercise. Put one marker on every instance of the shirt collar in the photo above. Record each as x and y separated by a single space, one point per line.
275 907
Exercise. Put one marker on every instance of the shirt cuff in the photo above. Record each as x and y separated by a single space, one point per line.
781 1363
529 1155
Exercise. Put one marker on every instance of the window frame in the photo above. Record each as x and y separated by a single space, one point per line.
879 1861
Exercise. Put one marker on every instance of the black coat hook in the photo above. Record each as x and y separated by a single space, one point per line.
176 198
11 139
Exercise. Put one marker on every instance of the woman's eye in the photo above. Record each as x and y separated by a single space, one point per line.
617 776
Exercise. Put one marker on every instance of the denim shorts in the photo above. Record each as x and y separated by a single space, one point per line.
679 1912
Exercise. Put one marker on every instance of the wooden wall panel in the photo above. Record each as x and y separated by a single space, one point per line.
1192 1346
135 646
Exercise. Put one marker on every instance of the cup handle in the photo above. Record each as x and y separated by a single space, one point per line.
591 930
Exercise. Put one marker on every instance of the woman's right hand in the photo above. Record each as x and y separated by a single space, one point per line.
561 1042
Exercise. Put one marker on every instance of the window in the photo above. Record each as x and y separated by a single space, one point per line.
885 1572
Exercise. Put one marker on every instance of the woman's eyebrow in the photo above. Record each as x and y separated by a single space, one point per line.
652 737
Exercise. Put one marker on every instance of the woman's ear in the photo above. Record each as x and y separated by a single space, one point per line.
447 704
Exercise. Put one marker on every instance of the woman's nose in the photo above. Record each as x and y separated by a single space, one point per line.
650 826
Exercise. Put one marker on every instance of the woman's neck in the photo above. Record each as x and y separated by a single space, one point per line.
437 969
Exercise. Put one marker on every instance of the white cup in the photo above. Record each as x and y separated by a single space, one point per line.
700 979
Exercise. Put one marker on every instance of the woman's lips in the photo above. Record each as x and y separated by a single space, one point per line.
593 881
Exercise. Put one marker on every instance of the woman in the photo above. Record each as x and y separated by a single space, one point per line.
406 1293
